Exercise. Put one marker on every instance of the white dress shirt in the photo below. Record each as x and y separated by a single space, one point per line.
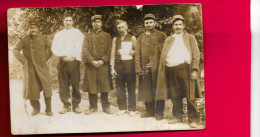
68 42
178 53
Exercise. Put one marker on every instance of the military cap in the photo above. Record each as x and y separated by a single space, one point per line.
177 17
33 22
149 16
96 17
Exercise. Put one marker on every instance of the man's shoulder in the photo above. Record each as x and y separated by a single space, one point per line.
105 33
24 37
169 38
160 32
59 32
77 30
40 36
187 34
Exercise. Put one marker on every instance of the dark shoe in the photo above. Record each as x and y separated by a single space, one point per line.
145 115
64 110
77 110
174 121
108 111
35 112
49 114
159 117
90 111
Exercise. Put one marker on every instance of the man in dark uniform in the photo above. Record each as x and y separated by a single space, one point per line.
36 51
123 68
148 50
96 50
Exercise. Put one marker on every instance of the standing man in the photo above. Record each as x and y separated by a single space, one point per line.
123 69
96 55
178 69
67 46
35 52
148 51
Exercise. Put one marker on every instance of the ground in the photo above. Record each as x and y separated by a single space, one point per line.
23 123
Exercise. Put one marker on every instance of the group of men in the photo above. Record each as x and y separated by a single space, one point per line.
167 67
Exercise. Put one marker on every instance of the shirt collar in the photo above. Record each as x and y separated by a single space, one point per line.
68 30
97 31
33 36
150 32
177 35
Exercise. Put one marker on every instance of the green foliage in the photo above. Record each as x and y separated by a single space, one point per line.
51 21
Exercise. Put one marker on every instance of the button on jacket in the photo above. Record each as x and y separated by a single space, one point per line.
148 50
96 46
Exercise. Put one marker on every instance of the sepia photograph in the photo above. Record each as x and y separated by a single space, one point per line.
106 69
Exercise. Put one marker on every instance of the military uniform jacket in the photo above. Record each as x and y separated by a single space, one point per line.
36 51
96 46
148 50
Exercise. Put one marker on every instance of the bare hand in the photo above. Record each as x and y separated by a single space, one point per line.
194 75
113 73
148 65
132 52
139 73
95 64
100 63
68 59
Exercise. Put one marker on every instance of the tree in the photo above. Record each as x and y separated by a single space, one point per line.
51 21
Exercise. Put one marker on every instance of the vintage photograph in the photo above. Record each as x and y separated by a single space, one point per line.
106 69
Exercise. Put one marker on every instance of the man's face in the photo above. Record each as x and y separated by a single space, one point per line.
122 28
149 24
178 26
68 22
33 30
97 24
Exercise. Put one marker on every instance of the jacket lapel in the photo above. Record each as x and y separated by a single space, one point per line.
169 45
186 42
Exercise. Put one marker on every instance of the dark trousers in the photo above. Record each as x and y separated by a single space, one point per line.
155 107
178 81
69 74
104 100
125 76
36 104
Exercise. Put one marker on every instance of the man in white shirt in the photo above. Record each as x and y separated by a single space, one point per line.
178 70
67 45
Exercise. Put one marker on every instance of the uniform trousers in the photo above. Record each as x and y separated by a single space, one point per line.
104 100
36 104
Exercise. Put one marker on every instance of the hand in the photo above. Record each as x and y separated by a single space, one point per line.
148 65
132 52
113 73
139 73
100 63
68 59
194 74
95 64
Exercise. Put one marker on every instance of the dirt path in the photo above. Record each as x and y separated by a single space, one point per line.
76 123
